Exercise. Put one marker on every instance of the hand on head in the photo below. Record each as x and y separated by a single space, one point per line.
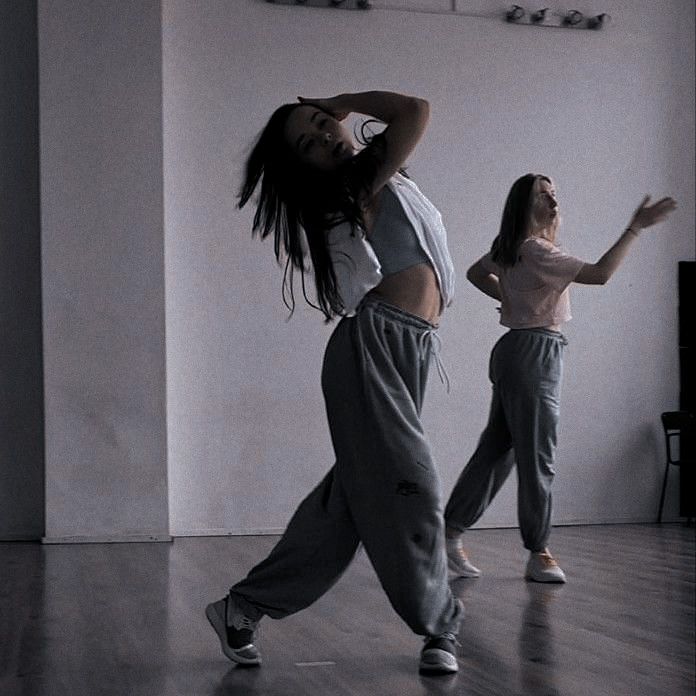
330 105
647 215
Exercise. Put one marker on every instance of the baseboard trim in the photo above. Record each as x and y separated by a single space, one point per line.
272 531
256 531
110 539
584 523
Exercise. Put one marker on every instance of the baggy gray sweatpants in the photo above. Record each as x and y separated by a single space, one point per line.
382 491
526 367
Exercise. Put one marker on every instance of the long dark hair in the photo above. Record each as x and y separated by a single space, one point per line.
516 220
297 203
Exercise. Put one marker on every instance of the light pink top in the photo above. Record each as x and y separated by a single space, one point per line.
535 290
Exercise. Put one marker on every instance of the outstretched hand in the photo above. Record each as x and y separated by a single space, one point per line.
330 105
647 215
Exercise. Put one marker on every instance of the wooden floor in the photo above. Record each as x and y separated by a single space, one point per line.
127 619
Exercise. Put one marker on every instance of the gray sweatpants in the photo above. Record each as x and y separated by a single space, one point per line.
526 367
382 491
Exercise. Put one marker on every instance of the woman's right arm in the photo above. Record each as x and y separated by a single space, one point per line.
485 281
645 216
406 118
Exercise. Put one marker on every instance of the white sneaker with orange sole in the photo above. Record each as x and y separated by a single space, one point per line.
458 560
543 567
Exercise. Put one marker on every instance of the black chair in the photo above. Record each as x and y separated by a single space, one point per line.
681 425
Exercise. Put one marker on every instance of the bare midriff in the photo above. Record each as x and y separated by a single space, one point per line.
415 290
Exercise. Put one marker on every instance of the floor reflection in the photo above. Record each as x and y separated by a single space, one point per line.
538 663
242 682
527 666
91 606
127 620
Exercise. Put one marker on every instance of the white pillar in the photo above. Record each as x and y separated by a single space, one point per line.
103 270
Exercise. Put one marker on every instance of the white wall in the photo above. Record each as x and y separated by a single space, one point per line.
609 115
103 269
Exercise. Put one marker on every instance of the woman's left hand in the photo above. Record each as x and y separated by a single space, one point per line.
648 215
331 105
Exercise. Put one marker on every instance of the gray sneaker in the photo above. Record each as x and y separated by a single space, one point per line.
235 631
458 560
439 655
542 567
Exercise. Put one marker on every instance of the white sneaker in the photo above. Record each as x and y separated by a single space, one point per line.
457 559
235 631
542 567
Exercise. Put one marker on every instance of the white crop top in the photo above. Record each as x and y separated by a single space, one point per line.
356 265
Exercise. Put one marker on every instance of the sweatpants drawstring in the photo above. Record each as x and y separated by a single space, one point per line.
430 341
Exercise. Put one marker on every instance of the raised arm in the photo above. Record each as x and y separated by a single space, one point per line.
406 118
645 216
486 282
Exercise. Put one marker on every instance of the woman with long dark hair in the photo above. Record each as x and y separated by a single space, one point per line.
529 275
377 251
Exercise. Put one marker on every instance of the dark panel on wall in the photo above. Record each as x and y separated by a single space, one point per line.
687 293
687 333
21 381
687 397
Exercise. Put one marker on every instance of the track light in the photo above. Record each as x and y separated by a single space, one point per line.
340 4
572 18
539 16
598 21
515 13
